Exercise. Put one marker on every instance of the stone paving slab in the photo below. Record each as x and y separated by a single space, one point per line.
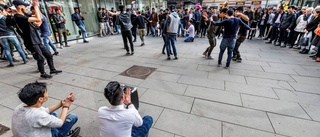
275 106
188 125
165 76
306 80
202 82
233 114
251 89
299 97
268 83
164 86
231 130
266 75
214 95
313 111
308 88
224 77
294 127
172 101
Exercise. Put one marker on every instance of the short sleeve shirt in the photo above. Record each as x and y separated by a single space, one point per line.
30 33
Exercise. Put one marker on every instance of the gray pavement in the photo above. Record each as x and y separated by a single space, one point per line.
273 92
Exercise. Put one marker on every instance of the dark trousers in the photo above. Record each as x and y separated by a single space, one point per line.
126 35
284 36
295 37
64 33
148 28
236 51
40 54
134 32
262 30
267 30
197 27
274 32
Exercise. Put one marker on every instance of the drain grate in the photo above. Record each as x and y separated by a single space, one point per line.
3 129
139 72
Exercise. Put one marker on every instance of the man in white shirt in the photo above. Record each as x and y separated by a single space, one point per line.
190 30
121 119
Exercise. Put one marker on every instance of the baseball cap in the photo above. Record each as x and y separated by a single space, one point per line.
19 2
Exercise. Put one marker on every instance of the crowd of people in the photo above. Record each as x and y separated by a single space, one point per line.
293 28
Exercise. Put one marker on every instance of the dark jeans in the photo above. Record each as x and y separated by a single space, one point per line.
213 43
143 130
284 36
267 30
40 54
295 37
203 30
66 127
262 30
226 43
274 32
236 51
134 32
126 35
170 40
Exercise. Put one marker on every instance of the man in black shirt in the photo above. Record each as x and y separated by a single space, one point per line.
242 34
31 37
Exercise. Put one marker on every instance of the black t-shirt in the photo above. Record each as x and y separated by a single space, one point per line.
243 30
30 34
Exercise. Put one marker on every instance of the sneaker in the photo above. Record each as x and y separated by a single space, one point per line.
176 58
61 46
142 44
74 133
67 46
10 65
168 58
45 76
209 57
15 60
29 57
132 53
25 62
85 41
265 38
219 65
204 53
318 59
55 72
234 58
55 53
226 67
239 59
268 42
128 53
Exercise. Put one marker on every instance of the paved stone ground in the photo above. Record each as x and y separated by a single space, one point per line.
273 92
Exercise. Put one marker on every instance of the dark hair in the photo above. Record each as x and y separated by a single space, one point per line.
99 8
1 8
224 10
230 12
281 7
75 8
153 9
56 10
293 7
103 8
31 8
121 8
113 93
31 92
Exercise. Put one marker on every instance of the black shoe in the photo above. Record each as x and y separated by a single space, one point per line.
67 46
85 41
171 54
128 53
290 47
268 42
46 76
219 64
239 59
265 38
168 58
226 67
282 46
132 53
176 58
142 44
134 41
163 53
55 72
10 65
74 133
56 53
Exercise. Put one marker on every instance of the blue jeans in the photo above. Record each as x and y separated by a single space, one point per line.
180 29
83 32
14 40
153 30
66 127
226 43
188 39
143 130
170 40
48 43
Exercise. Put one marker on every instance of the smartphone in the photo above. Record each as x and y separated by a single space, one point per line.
124 88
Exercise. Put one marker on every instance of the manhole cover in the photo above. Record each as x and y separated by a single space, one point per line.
138 72
3 129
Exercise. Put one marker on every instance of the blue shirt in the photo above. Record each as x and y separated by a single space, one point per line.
231 27
44 28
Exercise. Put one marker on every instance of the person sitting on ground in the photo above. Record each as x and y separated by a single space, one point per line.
190 31
31 119
121 119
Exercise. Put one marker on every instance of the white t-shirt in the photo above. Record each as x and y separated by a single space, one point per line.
33 122
117 121
191 31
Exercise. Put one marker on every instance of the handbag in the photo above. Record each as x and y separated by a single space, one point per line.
304 41
317 30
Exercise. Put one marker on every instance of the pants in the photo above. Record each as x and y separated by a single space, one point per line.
66 127
226 43
48 43
83 32
268 29
189 39
239 40
170 40
143 130
275 32
262 30
102 29
134 32
148 28
180 29
284 36
295 37
197 27
108 29
142 34
203 30
62 31
153 30
40 54
126 35
14 40
212 43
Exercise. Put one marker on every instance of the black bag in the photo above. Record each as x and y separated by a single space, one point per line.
304 41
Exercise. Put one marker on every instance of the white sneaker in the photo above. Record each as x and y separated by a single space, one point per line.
209 57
